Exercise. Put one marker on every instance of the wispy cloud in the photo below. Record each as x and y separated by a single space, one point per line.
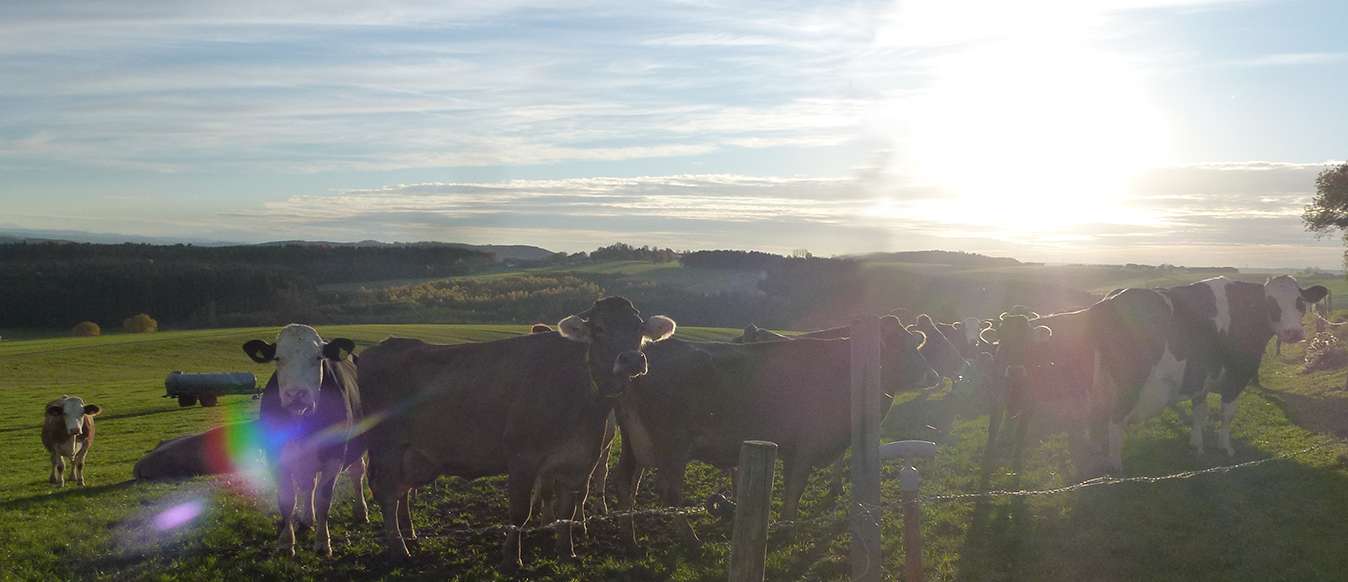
1292 59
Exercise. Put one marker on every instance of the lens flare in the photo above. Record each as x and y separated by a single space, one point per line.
177 516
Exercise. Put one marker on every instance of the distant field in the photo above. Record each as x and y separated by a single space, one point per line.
1280 521
672 273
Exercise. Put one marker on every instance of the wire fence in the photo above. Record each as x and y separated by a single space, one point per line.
864 511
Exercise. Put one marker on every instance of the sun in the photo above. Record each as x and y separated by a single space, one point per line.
1036 134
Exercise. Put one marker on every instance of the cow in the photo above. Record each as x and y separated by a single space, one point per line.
1138 350
533 407
191 455
310 416
599 476
67 433
702 399
943 355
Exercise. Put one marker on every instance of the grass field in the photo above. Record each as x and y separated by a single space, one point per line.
1279 521
671 272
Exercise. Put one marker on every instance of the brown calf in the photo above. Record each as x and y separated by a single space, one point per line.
67 433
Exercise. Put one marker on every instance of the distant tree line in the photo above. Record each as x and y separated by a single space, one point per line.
625 252
732 260
58 284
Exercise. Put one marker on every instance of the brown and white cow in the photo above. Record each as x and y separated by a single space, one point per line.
1139 350
533 407
310 412
67 433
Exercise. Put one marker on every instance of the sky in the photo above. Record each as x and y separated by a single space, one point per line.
1152 131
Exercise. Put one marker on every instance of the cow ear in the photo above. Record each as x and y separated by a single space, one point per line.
658 328
1314 294
575 329
334 348
92 409
260 351
1042 333
54 411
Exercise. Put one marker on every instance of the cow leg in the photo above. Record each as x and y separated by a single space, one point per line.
327 483
628 475
390 507
599 476
58 470
835 481
1079 447
521 488
670 480
285 503
1200 420
405 515
78 461
357 473
1115 446
305 494
565 509
796 472
1224 434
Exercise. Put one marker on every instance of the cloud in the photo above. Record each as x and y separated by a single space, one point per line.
1292 59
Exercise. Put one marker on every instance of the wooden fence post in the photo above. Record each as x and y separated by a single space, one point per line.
867 399
753 503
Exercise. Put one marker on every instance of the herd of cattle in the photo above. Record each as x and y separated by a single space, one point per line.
541 408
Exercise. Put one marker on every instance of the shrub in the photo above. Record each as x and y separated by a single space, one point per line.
86 329
140 323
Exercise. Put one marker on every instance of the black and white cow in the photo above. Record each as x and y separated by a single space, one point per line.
310 409
1137 351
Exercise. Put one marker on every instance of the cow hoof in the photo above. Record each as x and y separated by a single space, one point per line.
396 554
511 566
286 551
323 550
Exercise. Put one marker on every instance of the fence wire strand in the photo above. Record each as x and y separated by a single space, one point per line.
861 511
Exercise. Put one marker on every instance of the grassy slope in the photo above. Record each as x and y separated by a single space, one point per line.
673 273
1278 521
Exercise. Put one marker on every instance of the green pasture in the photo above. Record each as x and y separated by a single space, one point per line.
1283 520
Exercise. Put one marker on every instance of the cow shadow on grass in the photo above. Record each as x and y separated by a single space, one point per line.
1278 521
68 493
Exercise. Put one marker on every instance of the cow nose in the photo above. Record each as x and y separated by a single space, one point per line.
630 364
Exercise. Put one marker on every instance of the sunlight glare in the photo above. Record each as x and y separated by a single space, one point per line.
1036 134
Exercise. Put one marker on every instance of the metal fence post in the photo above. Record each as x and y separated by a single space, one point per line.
753 496
867 399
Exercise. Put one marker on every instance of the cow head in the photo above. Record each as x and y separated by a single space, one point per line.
71 410
299 353
616 334
940 354
902 350
1287 304
1021 356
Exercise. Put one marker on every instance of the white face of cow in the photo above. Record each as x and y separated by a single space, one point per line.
299 368
71 410
1288 303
